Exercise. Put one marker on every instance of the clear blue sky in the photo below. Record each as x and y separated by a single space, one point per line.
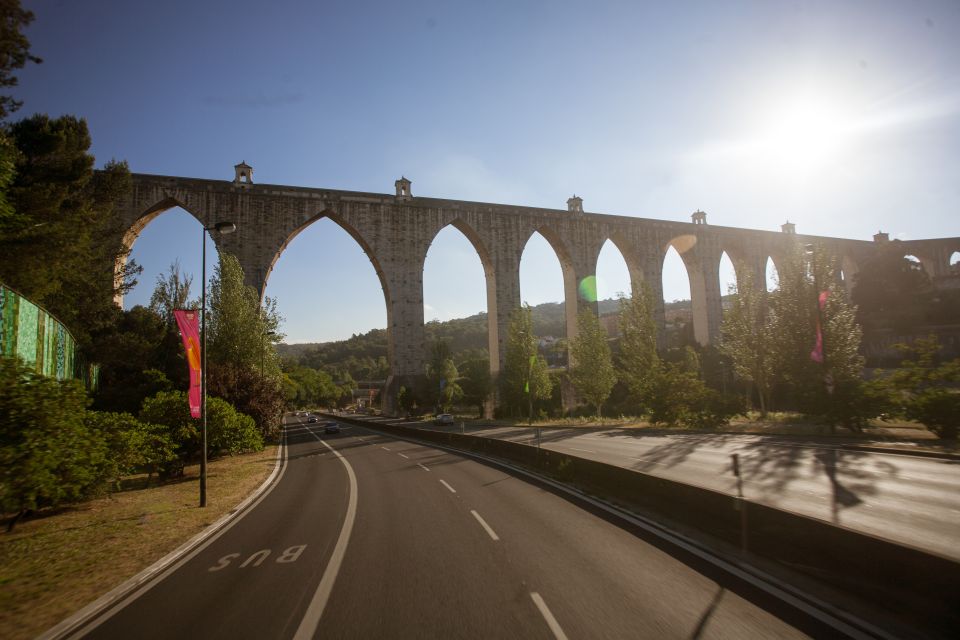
843 117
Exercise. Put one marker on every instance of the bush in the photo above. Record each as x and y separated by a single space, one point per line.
678 396
228 431
927 389
48 456
133 446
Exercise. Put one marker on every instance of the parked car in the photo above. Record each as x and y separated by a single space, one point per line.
443 419
331 427
312 419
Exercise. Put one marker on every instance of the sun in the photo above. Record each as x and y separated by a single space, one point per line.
804 134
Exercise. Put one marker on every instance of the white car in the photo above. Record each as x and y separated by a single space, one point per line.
443 418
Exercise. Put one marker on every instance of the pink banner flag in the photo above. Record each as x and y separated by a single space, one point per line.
190 333
817 354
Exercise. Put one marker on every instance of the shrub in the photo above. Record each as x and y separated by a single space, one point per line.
48 456
133 446
228 431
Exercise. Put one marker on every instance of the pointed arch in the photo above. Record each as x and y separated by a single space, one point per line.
729 274
564 257
490 280
130 234
772 274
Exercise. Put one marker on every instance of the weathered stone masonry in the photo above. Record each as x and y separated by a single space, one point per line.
395 231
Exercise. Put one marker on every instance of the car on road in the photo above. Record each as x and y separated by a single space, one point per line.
331 427
312 419
443 418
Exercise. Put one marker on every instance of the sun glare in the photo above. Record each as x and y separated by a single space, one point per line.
803 135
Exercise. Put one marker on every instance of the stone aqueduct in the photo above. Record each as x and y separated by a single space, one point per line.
396 231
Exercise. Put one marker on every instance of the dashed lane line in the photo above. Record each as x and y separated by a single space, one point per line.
403 456
422 467
486 527
444 483
545 612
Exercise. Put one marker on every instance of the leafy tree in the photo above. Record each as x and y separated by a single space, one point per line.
243 367
47 455
172 292
926 388
592 372
450 390
254 395
525 377
678 396
638 360
831 388
139 357
14 50
476 382
239 329
749 339
58 249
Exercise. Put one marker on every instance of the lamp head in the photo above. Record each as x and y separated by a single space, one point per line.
225 227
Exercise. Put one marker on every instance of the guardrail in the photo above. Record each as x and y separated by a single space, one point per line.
913 585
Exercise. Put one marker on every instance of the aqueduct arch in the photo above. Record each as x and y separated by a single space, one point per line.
396 230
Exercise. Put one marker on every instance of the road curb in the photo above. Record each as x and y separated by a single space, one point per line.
71 624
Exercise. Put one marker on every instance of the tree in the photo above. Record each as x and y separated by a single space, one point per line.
14 50
831 387
748 337
243 367
59 248
638 360
476 382
239 329
171 292
592 372
525 377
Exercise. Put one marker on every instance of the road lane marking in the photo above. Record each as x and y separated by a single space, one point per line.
311 619
422 467
584 450
483 523
385 448
545 612
403 456
444 483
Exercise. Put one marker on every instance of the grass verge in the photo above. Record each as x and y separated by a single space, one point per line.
56 563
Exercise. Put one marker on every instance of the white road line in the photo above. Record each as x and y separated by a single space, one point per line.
403 456
385 448
483 523
311 619
452 490
545 612
584 450
422 467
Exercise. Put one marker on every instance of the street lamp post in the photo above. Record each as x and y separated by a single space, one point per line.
222 228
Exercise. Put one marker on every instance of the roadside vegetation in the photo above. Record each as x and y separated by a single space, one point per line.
54 565
62 443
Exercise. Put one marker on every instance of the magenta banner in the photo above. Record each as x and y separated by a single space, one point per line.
187 322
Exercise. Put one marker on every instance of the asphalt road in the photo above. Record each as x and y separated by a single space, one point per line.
911 500
399 540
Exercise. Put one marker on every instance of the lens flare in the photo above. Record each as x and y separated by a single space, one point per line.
588 289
